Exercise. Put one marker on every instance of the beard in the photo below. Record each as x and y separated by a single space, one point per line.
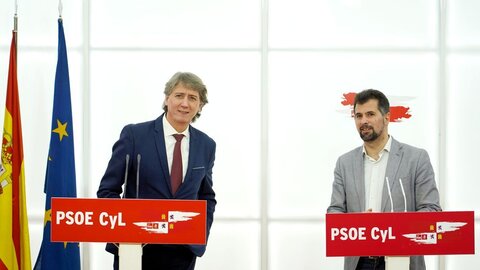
368 137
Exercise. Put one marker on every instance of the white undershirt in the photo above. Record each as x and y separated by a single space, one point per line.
375 177
168 132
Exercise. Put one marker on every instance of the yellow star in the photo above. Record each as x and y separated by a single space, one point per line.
66 243
61 129
47 217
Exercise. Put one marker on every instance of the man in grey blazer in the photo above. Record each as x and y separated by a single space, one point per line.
362 176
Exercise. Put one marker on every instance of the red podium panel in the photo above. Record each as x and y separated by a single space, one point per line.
128 221
400 233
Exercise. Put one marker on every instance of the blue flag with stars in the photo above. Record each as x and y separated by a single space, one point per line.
60 177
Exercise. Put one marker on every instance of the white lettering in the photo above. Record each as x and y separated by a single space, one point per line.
60 217
385 235
114 220
102 220
349 233
120 221
77 218
334 233
374 233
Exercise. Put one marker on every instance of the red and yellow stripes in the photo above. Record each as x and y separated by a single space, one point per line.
15 244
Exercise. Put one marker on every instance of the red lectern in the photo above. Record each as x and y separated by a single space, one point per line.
129 222
400 234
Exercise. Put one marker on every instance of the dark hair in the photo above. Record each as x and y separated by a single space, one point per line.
190 81
366 95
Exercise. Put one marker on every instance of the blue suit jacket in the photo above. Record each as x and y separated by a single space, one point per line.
147 140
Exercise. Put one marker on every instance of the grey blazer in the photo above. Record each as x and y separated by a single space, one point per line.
410 164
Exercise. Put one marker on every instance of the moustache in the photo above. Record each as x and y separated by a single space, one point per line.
365 126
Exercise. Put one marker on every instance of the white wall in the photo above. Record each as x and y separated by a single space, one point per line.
276 71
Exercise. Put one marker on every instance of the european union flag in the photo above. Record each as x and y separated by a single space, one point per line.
60 177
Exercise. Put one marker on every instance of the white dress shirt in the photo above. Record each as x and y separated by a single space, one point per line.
168 132
375 177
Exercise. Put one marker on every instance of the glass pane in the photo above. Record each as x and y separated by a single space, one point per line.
35 228
233 246
355 23
462 132
431 262
307 139
37 22
297 245
6 26
99 258
463 23
176 24
120 96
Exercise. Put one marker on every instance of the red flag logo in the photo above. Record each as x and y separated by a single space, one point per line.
397 113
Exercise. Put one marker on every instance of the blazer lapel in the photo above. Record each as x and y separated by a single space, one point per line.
394 159
160 144
359 177
191 153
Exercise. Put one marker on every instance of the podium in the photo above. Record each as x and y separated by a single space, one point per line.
399 235
131 223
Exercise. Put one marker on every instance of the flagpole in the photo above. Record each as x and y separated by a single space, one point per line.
15 27
15 23
60 9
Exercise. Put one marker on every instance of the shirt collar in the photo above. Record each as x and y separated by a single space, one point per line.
168 130
386 148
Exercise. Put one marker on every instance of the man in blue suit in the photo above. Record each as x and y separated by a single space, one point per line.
150 146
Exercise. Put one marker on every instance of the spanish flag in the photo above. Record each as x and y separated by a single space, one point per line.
14 236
